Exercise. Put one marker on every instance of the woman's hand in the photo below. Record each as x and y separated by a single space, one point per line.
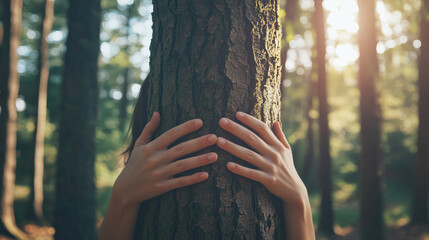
270 153
150 172
151 167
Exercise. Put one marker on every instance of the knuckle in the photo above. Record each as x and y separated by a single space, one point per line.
252 137
147 149
283 150
275 171
182 182
180 166
174 133
277 159
272 180
271 168
158 186
261 126
151 162
249 155
179 149
156 174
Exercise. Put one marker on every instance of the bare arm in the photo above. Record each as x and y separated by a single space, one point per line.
272 155
149 173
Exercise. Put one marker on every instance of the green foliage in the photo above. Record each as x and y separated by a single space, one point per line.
398 75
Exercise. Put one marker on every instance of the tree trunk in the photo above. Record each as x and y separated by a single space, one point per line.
371 167
326 224
309 156
209 60
123 104
36 200
75 193
290 10
9 87
419 212
126 73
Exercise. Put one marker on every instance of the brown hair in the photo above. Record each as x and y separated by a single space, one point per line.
138 120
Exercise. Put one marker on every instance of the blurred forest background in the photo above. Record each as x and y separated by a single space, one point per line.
124 63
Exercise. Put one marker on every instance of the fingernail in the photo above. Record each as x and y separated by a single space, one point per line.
212 156
202 175
211 138
224 121
232 165
222 141
240 114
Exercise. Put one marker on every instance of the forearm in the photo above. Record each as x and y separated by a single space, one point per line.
299 221
119 222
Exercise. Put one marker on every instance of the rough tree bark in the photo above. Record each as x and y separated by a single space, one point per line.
36 199
210 59
371 209
326 221
419 211
75 193
9 87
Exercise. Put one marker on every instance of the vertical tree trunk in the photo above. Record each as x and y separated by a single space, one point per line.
419 212
326 224
290 10
123 104
210 59
371 219
75 193
124 100
9 87
309 156
41 98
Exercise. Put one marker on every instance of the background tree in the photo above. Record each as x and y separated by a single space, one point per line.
420 209
398 47
309 156
9 87
75 192
36 197
290 10
326 221
209 60
123 104
371 164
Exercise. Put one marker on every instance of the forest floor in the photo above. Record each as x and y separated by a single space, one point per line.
392 233
399 233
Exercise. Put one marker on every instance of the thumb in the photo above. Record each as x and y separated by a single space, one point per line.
280 135
149 129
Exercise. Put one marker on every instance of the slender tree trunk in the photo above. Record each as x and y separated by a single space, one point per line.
326 224
420 209
124 100
371 209
210 59
126 73
309 157
1 36
75 193
290 10
41 96
9 87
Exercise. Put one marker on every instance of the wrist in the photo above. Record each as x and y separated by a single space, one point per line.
298 198
299 209
120 200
